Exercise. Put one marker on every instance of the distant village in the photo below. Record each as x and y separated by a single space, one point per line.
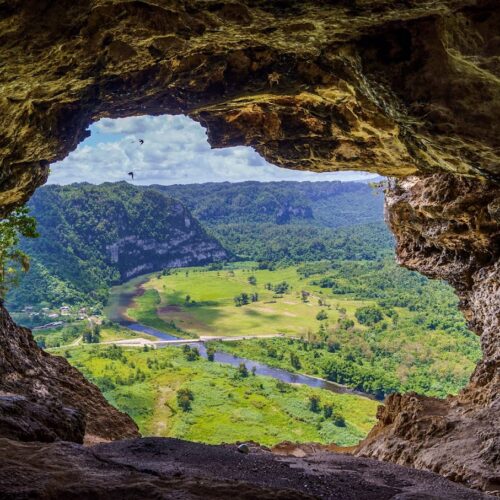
60 316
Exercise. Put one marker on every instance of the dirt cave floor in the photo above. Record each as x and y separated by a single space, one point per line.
169 468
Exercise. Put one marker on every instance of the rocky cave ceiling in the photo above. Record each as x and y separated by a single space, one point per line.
406 88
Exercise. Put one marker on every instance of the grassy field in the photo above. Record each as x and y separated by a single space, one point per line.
226 406
211 309
370 325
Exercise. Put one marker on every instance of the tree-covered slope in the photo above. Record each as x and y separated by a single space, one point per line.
327 204
290 221
92 236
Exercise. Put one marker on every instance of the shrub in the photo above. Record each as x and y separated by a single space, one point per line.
184 399
369 315
314 403
322 315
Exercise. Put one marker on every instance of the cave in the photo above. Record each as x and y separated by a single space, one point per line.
409 90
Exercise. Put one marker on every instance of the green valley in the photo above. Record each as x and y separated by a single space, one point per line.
370 325
292 276
209 402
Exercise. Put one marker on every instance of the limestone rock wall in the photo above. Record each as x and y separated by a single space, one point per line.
393 87
449 228
43 398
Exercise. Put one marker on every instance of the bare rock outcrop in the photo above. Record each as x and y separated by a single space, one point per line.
449 228
43 398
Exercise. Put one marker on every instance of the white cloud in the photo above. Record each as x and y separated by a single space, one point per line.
175 150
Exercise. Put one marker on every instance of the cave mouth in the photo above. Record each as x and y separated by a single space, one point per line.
170 149
300 84
174 149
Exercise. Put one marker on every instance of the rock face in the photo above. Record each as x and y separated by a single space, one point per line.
397 88
448 228
408 88
43 398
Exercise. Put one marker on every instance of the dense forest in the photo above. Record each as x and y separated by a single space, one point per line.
93 236
290 222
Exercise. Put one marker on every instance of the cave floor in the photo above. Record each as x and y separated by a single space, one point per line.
171 468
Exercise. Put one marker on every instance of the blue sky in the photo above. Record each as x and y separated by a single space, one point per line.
175 151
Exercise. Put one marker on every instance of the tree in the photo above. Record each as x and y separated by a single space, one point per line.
40 342
281 288
314 403
242 299
252 280
210 353
328 411
184 399
13 260
369 315
322 315
282 386
192 354
339 421
295 361
243 370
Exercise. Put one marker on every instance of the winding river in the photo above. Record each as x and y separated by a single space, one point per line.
123 300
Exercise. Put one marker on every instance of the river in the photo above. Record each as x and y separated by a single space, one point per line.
122 301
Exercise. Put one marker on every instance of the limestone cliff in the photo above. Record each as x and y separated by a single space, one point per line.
449 228
408 87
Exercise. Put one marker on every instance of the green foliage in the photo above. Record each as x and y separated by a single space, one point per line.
184 399
211 354
369 315
281 288
12 259
290 222
208 402
314 403
328 411
295 361
242 299
242 370
322 315
410 335
191 353
88 240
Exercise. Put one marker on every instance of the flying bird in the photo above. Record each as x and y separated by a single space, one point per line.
141 142
131 175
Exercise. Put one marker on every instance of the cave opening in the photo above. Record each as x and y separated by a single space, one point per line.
280 277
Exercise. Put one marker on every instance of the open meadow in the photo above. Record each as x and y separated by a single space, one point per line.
202 301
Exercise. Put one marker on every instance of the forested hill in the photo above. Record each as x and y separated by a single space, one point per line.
92 236
290 221
327 204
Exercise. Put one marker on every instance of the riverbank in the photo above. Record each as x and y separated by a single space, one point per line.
124 299
224 402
